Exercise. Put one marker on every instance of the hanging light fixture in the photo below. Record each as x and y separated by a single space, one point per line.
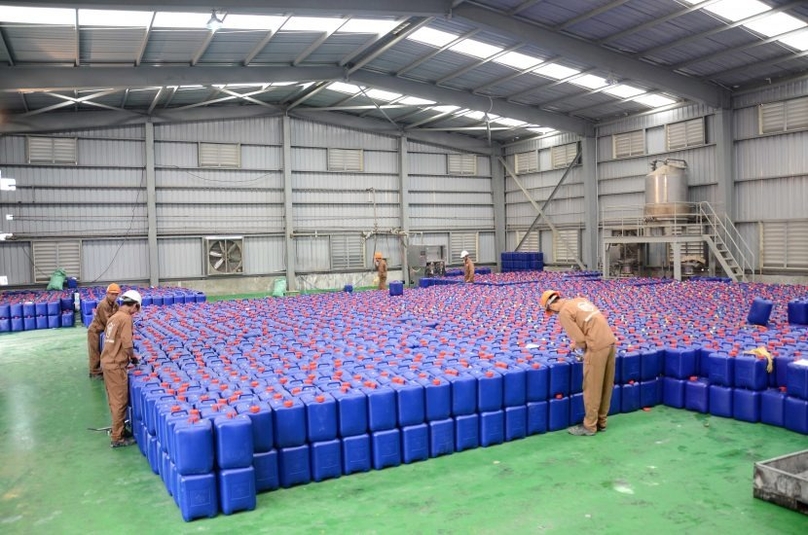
214 23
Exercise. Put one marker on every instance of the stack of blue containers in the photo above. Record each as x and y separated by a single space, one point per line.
522 261
28 310
738 386
89 298
217 434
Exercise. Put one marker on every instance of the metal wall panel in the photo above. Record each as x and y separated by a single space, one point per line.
772 156
219 219
309 159
176 154
218 178
311 134
15 262
453 198
449 183
107 180
264 254
325 218
432 217
427 164
208 196
312 253
417 147
113 153
654 119
12 151
798 88
261 157
545 142
344 181
777 198
487 252
257 131
114 260
180 257
77 221
316 159
116 132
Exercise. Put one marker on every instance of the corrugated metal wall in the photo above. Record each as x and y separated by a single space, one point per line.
102 200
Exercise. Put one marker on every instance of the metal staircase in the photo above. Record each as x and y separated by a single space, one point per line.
726 243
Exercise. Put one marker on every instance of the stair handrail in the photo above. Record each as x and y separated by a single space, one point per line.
725 229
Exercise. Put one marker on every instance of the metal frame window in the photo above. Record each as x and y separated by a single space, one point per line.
685 134
566 246
783 116
220 155
562 155
347 252
461 164
346 160
460 241
784 244
532 243
48 256
45 149
628 144
526 162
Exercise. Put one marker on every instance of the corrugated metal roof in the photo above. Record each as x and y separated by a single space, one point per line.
632 34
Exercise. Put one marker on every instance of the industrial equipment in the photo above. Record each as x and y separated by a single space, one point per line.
425 261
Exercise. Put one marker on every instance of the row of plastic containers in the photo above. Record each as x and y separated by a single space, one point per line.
159 296
28 311
521 261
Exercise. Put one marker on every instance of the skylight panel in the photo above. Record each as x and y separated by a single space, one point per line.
734 10
478 115
775 24
655 101
435 38
415 101
312 24
252 22
107 17
382 95
518 61
192 87
342 87
445 109
376 26
624 91
509 122
590 81
541 130
164 19
38 15
799 41
470 47
556 71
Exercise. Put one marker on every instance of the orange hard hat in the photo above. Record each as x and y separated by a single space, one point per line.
113 289
377 255
547 298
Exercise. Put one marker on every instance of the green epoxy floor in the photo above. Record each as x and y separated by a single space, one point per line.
662 471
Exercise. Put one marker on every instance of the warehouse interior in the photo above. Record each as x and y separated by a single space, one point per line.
247 160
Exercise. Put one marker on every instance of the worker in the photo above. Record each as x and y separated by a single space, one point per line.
589 331
468 267
118 353
105 309
381 270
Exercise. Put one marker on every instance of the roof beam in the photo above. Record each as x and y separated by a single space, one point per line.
145 41
154 101
332 7
366 45
415 24
752 67
426 57
78 40
591 54
203 47
61 78
465 99
315 45
523 6
476 64
4 49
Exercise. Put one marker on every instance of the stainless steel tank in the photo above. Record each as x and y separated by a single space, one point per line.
666 191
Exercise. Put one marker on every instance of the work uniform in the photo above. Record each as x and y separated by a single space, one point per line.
382 271
587 327
468 270
103 312
117 353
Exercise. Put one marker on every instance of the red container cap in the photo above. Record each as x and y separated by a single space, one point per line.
288 403
277 395
694 378
319 399
489 373
296 390
559 396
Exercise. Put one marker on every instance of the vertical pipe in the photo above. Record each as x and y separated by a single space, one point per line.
151 206
404 204
590 178
288 221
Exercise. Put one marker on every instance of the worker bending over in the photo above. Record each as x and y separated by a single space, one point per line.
468 267
381 270
117 354
588 330
105 309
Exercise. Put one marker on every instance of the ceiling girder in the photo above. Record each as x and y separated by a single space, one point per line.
591 54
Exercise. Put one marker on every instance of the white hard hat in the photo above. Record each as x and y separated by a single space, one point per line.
132 295
464 254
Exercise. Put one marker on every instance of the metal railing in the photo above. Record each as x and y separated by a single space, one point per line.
725 230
